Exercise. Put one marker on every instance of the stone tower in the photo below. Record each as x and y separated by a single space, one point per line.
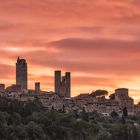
68 84
21 73
63 84
37 87
57 81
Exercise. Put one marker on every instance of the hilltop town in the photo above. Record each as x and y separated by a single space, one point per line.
120 102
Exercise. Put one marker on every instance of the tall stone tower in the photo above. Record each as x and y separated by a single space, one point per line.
68 84
21 73
57 81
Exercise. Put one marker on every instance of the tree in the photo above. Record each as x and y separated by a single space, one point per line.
15 118
35 131
112 96
104 136
4 117
99 93
85 116
16 132
114 114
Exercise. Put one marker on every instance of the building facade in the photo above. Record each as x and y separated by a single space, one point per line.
124 100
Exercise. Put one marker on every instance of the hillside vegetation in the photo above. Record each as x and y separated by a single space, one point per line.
31 121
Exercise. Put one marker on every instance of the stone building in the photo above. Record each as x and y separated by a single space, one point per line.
14 90
122 97
57 81
63 84
2 87
37 88
21 73
68 84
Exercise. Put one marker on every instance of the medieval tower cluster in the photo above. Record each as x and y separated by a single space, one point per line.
63 84
61 96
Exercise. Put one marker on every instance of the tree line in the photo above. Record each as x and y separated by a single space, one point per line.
31 121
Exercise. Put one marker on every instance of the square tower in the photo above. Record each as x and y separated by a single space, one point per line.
21 73
57 81
68 84
37 87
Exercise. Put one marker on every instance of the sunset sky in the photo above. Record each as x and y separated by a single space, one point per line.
97 40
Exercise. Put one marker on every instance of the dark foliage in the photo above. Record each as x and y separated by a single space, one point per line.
112 96
30 121
99 93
